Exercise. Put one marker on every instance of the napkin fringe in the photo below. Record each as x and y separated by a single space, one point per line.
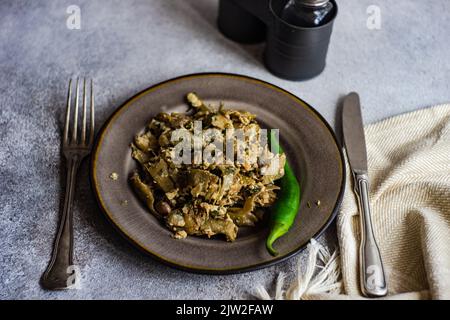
321 275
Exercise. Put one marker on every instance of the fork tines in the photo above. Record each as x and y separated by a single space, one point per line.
76 139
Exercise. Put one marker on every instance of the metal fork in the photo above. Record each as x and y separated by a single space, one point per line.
60 273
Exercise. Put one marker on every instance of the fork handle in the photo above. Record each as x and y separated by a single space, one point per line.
372 277
59 269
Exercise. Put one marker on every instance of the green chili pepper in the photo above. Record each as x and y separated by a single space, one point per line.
286 208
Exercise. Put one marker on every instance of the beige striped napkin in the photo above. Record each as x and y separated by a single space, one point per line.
409 169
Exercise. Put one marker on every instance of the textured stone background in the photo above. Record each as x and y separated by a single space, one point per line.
127 46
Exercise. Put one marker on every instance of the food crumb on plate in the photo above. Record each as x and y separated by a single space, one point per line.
180 234
114 176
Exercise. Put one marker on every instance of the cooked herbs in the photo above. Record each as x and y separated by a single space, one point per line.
212 196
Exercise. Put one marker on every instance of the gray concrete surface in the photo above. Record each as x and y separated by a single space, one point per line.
127 46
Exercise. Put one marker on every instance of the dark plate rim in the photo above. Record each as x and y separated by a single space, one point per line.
204 270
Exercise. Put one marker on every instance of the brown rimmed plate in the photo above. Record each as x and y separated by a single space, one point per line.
307 139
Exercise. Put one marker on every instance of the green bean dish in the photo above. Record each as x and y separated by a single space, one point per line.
195 187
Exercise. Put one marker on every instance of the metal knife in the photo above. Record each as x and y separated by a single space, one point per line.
372 277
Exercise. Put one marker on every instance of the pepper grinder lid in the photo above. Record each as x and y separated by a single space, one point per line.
313 3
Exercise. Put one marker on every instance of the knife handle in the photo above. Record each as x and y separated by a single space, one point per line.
372 277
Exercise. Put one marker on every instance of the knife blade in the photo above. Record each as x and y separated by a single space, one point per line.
353 130
372 277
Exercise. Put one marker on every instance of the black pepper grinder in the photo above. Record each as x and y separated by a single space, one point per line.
307 13
298 39
297 32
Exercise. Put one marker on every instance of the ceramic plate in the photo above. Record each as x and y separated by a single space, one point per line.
307 139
